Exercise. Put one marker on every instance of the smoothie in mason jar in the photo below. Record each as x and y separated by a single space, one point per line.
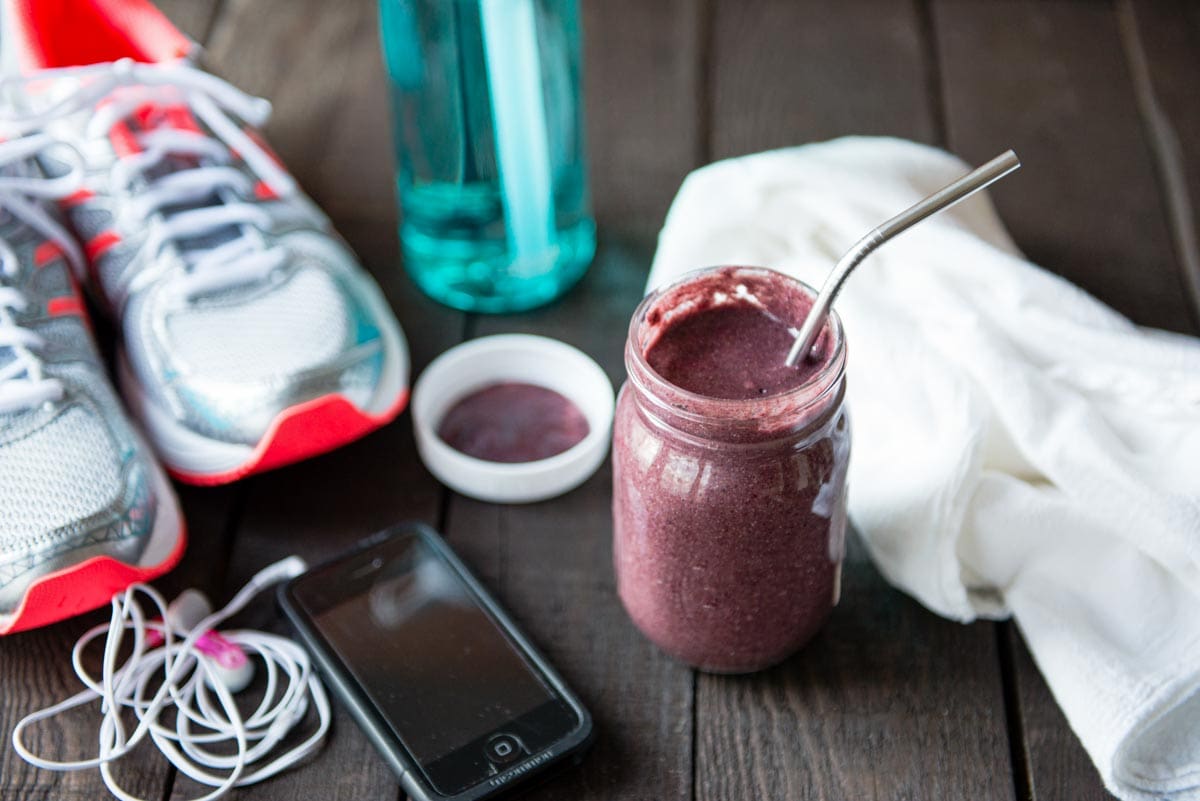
729 466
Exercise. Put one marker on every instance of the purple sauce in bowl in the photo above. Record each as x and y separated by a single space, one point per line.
512 418
513 422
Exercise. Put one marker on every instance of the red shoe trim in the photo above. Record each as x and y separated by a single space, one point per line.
83 587
77 197
302 431
67 304
150 116
45 253
181 119
70 33
263 191
124 143
99 244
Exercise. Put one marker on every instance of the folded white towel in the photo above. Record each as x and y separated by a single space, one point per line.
1019 448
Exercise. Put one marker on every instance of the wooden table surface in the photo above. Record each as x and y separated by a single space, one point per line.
889 701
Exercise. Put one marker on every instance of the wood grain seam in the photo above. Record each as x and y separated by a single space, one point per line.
705 65
217 11
1167 156
222 16
469 325
1014 719
445 496
169 783
934 88
695 733
237 508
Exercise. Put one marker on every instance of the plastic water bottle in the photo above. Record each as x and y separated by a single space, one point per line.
489 138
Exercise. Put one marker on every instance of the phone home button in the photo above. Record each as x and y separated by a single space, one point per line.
503 749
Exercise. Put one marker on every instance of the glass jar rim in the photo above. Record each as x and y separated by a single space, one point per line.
731 410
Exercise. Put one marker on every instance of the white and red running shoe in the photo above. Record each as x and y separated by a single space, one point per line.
84 508
250 336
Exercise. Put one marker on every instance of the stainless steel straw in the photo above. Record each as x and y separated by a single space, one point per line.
970 183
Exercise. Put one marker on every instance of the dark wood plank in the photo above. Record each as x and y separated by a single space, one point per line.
642 140
1162 46
320 65
551 565
641 85
886 702
786 73
1058 765
193 17
35 672
1055 86
1086 205
889 701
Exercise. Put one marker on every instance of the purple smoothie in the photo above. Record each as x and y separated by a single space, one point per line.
513 422
729 351
729 471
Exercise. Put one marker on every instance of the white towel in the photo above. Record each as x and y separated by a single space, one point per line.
1018 447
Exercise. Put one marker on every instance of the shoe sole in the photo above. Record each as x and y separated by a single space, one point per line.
299 432
93 582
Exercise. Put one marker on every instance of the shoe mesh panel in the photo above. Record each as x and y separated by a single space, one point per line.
67 339
52 282
90 221
60 473
113 265
294 327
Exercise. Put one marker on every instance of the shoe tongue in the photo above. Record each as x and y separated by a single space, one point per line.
210 240
177 163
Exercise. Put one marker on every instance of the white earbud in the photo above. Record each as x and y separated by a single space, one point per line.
188 609
160 673
227 662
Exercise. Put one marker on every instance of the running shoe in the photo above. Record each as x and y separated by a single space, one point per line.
250 335
84 509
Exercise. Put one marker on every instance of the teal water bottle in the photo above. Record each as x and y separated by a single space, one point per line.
490 157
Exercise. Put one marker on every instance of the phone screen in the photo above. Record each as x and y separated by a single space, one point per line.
442 673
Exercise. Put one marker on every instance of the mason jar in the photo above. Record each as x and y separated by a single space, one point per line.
729 515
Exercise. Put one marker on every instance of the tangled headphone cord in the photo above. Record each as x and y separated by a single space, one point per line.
184 665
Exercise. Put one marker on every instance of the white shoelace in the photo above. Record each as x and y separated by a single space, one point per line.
22 383
179 675
125 86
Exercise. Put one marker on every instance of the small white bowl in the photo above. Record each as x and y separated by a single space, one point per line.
527 359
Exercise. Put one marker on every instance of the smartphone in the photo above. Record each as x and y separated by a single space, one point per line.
453 695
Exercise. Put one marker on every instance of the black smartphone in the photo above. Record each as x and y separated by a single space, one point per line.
453 695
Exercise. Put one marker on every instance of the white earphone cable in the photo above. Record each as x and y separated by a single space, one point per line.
178 674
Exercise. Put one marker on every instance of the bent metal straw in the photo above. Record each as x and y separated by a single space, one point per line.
944 198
